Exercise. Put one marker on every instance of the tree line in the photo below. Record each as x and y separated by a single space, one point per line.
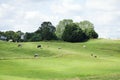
66 30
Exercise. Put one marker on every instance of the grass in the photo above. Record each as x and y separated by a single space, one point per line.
71 62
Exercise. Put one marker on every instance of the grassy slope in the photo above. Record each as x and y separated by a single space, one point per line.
72 61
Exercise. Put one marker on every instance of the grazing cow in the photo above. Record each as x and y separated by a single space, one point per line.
59 48
84 46
91 54
38 46
35 55
19 45
95 56
10 40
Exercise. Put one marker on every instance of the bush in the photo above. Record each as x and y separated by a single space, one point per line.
73 33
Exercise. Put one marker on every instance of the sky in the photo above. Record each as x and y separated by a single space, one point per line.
27 15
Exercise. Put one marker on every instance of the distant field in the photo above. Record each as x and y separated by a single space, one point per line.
93 60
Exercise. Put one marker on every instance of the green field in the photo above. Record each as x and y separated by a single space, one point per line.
72 61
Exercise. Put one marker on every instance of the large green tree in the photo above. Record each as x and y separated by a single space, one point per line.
32 37
20 34
73 33
61 27
2 33
2 36
88 29
47 31
15 36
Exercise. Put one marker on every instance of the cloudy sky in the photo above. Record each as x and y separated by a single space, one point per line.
27 15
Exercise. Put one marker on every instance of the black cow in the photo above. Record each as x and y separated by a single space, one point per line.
95 56
59 48
38 46
19 45
36 55
91 54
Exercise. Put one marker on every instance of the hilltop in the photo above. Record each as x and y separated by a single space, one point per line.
96 59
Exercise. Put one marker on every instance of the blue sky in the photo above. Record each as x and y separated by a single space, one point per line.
27 15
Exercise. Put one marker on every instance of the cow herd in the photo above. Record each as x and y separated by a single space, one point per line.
20 45
39 46
94 55
35 55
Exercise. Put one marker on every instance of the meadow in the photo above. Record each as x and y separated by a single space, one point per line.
97 59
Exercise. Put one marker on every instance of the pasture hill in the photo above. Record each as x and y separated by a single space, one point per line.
97 59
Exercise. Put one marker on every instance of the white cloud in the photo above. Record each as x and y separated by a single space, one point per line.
102 11
65 6
4 9
101 18
27 15
31 14
107 5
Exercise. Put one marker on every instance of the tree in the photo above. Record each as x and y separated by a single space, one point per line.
61 27
2 36
88 29
11 35
47 31
31 37
35 37
73 33
20 34
90 33
2 33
